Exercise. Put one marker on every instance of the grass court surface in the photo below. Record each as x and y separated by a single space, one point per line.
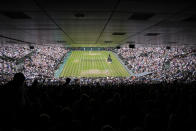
93 64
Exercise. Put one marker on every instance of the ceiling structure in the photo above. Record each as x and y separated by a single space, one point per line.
98 23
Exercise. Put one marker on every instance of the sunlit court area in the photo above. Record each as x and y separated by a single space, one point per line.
97 65
93 64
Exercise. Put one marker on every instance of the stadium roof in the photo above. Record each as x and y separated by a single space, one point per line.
94 22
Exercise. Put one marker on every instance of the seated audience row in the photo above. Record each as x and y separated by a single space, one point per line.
135 107
163 64
41 63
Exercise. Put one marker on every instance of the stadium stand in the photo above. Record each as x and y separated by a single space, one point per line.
36 100
41 63
165 65
145 64
97 65
124 107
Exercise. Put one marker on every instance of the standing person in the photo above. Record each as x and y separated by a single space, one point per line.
13 102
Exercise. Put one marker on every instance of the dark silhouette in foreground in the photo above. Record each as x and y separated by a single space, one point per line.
138 107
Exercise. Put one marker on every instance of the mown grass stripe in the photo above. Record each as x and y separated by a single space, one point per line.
93 64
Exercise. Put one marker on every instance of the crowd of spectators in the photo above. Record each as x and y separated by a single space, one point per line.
100 104
44 61
10 53
124 107
41 63
175 64
14 50
164 64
